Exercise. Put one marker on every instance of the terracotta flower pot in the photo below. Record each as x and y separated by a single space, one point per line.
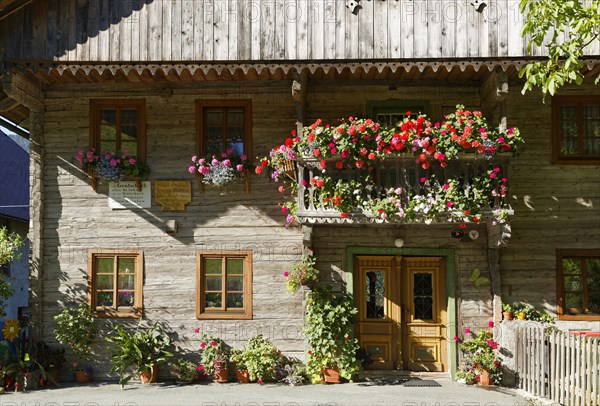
83 377
484 378
242 376
150 376
222 375
507 315
331 375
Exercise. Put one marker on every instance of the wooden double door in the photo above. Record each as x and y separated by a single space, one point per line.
402 311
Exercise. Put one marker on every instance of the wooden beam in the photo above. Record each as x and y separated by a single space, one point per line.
493 92
23 91
299 88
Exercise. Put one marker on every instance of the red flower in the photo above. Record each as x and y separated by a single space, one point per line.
339 164
371 156
213 343
197 330
359 164
343 215
293 132
463 226
317 152
311 137
286 274
200 367
456 339
490 324
264 162
258 170
323 164
289 142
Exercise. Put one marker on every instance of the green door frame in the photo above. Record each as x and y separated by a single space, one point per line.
447 254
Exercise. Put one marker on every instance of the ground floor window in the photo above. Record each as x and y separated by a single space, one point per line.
115 282
224 285
578 280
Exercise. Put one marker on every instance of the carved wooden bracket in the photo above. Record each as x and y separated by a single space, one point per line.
493 92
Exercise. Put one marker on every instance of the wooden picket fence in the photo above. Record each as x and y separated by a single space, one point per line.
559 365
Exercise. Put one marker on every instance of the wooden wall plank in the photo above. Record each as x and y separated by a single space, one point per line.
93 26
198 8
394 29
290 13
166 30
329 29
256 52
433 25
233 17
408 12
450 13
244 34
365 32
177 29
208 31
302 30
126 31
381 31
341 15
103 34
221 30
187 30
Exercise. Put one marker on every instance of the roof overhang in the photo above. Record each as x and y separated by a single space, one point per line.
50 74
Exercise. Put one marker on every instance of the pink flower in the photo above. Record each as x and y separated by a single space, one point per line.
200 368
194 158
196 330
492 175
260 381
204 170
239 167
446 186
449 204
467 331
113 162
131 161
286 274
243 157
213 343
202 345
284 210
456 339
192 169
201 161
214 162
490 324
227 163
423 180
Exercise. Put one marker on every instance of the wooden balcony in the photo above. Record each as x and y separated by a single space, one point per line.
404 173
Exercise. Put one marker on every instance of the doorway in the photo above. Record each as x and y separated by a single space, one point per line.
402 311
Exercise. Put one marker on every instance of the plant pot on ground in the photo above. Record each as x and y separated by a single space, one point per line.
138 350
259 357
75 328
329 329
184 371
214 355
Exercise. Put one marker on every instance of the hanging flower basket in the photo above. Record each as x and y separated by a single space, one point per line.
109 166
220 171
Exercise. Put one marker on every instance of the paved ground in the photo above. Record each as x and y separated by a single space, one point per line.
212 394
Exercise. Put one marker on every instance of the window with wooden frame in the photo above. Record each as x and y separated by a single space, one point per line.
224 126
224 285
576 130
578 280
119 125
390 112
115 281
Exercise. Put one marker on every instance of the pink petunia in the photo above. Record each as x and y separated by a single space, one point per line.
456 338
202 345
227 163
286 274
467 331
239 167
192 169
490 324
200 368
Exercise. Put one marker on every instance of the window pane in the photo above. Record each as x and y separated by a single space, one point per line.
108 129
214 283
235 283
213 300
235 266
573 300
104 265
126 265
128 117
591 146
104 282
573 283
213 118
213 266
592 269
235 300
125 298
591 112
568 112
104 299
568 146
213 135
423 296
571 266
594 300
126 282
235 118
375 294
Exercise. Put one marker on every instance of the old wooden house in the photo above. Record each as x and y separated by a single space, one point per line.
169 79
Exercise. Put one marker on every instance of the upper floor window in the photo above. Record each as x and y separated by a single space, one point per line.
578 279
224 285
224 126
115 282
576 129
119 125
390 112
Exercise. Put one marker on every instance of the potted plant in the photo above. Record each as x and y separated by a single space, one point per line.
75 328
50 360
329 329
108 166
507 311
479 352
260 358
302 273
185 371
214 357
141 349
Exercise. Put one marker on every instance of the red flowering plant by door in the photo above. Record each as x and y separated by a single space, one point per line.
479 353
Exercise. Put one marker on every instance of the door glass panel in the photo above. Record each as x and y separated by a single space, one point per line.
423 296
375 294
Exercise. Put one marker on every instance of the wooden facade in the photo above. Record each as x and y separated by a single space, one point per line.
58 57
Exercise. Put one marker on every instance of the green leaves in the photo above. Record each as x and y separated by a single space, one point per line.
572 26
9 244
478 279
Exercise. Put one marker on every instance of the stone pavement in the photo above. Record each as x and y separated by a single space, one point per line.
234 394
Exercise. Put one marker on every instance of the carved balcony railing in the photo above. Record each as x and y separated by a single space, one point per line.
415 182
